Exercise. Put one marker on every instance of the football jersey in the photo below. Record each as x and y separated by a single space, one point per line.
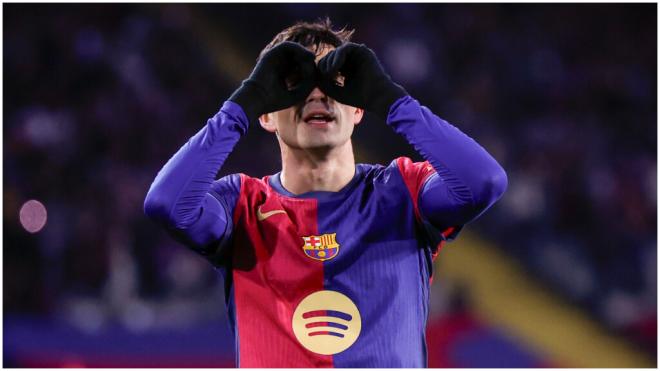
330 279
327 279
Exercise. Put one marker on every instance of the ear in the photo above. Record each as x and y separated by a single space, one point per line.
266 121
357 117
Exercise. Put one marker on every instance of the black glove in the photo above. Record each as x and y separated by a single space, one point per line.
284 76
366 85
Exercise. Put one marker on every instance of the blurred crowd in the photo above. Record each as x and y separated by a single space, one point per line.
97 97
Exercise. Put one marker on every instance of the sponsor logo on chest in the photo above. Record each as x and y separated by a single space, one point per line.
326 322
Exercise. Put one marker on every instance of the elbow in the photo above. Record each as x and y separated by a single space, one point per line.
493 187
156 207
498 183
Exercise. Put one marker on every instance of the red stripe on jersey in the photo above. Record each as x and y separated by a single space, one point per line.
448 232
414 175
272 275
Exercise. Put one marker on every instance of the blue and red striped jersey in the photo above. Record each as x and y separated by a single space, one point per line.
327 279
330 279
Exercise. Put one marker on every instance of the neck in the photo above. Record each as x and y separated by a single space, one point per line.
317 170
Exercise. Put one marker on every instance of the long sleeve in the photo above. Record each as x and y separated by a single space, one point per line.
467 180
183 197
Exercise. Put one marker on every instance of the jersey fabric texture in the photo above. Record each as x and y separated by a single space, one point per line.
382 264
327 279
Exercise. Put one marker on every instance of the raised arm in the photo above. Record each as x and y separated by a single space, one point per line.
184 197
179 197
468 179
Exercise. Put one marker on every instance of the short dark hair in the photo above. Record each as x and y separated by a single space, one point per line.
311 34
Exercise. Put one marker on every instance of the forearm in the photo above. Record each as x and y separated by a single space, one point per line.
469 179
180 190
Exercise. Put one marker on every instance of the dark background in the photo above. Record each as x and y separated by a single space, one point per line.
97 97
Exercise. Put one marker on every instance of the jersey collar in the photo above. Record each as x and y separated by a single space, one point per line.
275 183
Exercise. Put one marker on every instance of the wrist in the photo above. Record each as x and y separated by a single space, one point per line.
387 94
251 97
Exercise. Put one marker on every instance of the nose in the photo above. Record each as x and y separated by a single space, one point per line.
316 94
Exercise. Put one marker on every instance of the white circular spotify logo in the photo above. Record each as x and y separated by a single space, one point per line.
326 322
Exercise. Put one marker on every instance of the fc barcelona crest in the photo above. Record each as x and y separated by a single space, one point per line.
322 247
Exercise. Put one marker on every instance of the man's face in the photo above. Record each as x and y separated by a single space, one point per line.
319 122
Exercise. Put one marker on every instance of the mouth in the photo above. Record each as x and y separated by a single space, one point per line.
319 118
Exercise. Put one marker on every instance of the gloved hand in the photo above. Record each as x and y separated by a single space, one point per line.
284 76
366 85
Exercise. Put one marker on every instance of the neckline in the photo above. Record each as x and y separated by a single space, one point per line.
275 183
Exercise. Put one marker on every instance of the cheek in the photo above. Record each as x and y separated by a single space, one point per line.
287 113
348 116
285 119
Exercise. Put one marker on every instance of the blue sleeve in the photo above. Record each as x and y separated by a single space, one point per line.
185 198
468 179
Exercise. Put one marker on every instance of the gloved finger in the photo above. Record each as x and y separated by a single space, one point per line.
343 60
307 66
332 61
289 48
323 66
328 69
301 69
286 55
300 92
296 53
339 93
330 88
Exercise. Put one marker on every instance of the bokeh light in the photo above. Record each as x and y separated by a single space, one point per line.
33 216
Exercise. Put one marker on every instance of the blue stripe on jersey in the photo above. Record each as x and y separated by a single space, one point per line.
381 266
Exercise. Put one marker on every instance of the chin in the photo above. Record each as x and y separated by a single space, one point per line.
318 146
318 140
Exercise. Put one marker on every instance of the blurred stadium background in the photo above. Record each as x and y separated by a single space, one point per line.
561 272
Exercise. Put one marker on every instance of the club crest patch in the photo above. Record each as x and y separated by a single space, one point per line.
323 247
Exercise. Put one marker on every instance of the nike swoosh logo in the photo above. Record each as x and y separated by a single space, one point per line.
262 216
